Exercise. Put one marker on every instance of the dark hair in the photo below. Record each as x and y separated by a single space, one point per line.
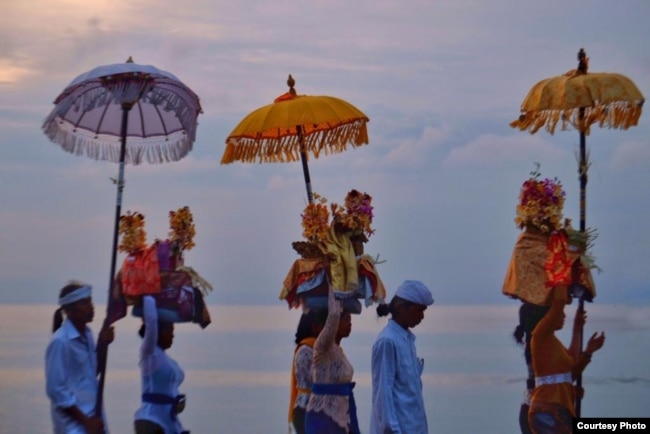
384 309
161 325
57 319
529 315
307 322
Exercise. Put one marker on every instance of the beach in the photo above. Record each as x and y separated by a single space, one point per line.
237 369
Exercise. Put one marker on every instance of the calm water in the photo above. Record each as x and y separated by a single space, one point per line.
237 370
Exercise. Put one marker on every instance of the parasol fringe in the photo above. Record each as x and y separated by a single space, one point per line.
168 95
287 148
107 148
616 115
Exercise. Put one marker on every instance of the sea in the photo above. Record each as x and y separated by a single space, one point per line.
237 368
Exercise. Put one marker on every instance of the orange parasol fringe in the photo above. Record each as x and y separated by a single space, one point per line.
286 147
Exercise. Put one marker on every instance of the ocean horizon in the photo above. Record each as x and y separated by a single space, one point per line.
237 369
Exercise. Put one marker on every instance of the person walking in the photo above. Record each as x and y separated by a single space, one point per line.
397 401
71 364
331 408
161 376
552 406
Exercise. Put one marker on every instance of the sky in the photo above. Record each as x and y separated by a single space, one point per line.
440 82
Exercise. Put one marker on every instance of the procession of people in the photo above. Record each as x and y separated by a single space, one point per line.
333 274
331 281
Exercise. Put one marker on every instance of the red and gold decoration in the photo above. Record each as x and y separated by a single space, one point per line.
159 270
549 252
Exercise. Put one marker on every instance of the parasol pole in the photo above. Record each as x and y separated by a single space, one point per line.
583 166
102 346
305 167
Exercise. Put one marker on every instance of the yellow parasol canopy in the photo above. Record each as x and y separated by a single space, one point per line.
293 123
294 126
270 133
610 99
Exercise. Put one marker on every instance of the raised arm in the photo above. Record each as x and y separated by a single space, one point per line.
327 336
150 316
578 325
546 326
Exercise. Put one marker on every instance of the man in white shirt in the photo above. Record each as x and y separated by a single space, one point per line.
71 364
397 402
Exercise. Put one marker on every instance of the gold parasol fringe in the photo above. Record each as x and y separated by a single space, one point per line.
617 115
287 148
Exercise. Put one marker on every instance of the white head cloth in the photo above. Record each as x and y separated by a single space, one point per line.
76 295
415 292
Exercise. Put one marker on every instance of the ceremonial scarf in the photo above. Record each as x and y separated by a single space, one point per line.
343 262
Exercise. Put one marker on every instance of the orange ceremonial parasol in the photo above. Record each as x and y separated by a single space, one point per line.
294 126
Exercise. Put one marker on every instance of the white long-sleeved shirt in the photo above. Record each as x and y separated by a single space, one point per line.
70 376
397 403
160 373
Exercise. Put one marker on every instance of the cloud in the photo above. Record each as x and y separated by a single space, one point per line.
631 154
415 152
490 150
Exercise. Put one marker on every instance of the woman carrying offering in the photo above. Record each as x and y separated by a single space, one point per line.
161 376
556 367
331 408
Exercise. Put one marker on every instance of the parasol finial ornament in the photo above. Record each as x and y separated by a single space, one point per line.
291 82
583 61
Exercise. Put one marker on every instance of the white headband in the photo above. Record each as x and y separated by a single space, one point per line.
76 295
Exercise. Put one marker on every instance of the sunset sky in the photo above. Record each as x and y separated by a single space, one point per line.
440 82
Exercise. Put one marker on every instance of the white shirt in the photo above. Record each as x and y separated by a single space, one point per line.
397 403
70 376
160 373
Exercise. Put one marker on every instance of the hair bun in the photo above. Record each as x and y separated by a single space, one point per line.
383 309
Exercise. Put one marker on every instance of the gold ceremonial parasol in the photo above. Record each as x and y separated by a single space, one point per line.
581 99
293 126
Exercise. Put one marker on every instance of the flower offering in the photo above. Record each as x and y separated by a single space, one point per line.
182 230
315 219
134 237
357 214
540 203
